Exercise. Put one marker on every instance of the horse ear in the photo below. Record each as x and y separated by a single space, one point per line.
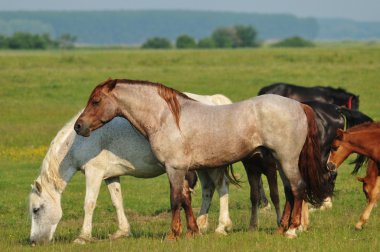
111 84
38 186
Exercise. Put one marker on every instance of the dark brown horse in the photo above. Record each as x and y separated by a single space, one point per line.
363 139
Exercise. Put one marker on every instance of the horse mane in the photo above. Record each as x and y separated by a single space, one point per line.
50 165
168 94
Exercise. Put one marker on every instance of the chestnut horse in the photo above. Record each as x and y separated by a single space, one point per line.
363 139
187 135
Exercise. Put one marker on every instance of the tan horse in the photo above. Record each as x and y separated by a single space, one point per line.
187 135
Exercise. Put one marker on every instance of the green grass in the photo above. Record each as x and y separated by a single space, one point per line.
41 90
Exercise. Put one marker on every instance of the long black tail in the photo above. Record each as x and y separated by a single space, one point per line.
229 172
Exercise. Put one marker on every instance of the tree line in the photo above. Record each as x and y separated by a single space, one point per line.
237 36
24 40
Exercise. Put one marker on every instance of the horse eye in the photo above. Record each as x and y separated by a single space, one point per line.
35 210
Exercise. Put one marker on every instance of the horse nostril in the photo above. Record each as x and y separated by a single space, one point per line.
77 127
32 243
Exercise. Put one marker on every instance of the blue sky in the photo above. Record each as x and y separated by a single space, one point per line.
361 10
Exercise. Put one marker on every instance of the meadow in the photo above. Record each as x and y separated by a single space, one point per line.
41 90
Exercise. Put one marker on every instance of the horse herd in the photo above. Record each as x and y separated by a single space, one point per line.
167 131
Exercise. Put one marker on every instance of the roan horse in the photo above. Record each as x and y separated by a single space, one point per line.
337 96
116 149
329 118
363 139
186 135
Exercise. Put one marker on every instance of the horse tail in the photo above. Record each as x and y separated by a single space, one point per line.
230 175
354 118
313 173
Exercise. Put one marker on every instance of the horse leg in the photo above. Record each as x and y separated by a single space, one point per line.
365 215
94 179
221 183
296 214
271 174
180 196
263 201
192 227
114 189
254 181
304 216
208 189
285 219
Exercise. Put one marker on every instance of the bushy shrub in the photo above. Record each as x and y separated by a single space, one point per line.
294 42
206 43
157 43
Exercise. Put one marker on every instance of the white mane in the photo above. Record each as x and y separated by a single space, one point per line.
54 156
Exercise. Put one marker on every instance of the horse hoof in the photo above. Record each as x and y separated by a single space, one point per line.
191 234
267 207
202 223
220 231
358 227
252 228
291 234
279 231
83 240
172 237
119 234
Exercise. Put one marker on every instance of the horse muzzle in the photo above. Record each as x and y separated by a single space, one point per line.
81 129
331 167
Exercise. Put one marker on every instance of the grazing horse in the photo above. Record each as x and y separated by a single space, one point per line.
116 149
329 118
337 96
187 135
363 139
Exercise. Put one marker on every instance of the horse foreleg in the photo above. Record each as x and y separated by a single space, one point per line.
94 179
263 201
114 189
208 189
304 216
192 227
254 181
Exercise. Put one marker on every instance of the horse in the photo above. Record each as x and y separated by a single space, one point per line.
116 149
329 118
362 139
187 135
337 96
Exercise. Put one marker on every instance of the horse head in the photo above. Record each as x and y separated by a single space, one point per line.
45 211
101 108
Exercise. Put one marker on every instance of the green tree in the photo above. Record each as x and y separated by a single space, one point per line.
246 36
3 41
224 37
157 43
294 42
185 41
206 43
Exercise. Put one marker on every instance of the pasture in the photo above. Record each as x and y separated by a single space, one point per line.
41 91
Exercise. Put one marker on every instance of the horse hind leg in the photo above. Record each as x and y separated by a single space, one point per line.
114 189
192 227
221 183
271 174
208 189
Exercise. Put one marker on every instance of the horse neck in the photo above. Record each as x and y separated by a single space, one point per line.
142 106
363 142
57 169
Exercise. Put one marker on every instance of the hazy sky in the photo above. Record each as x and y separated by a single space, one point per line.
362 10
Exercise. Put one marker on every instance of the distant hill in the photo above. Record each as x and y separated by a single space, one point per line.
134 27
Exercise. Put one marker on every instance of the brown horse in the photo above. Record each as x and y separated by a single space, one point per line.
363 139
187 135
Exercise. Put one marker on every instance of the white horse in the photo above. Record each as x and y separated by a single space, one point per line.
115 150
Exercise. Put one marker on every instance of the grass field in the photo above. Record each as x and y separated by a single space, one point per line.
40 91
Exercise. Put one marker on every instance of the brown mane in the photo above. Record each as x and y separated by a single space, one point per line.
166 93
365 126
